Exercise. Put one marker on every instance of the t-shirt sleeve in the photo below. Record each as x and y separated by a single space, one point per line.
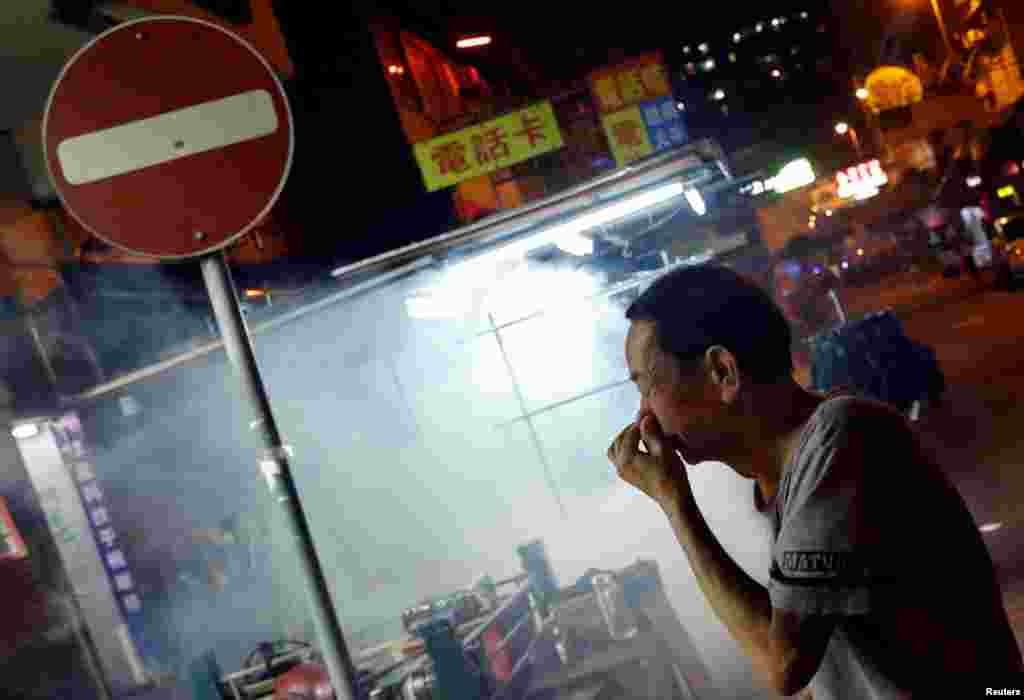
828 557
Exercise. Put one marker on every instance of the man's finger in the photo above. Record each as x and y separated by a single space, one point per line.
613 449
629 446
620 440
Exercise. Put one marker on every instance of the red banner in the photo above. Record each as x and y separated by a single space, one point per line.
12 546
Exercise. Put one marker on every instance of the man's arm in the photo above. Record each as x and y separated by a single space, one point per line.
786 647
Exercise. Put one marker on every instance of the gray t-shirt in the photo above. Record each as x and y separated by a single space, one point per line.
868 528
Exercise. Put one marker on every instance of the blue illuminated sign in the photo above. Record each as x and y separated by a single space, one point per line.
664 123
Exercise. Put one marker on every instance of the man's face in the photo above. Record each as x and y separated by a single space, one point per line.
685 402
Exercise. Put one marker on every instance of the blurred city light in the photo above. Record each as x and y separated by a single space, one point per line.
776 73
697 202
973 181
990 527
566 234
862 94
861 181
718 95
842 128
575 244
25 431
473 41
794 175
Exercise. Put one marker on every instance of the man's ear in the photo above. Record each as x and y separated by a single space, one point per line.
723 371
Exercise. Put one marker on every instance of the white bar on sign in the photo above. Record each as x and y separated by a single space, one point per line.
184 132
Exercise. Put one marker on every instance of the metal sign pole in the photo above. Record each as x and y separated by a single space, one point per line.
274 465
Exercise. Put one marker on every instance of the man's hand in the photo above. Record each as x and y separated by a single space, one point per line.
660 474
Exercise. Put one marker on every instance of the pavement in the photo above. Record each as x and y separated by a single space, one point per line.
907 293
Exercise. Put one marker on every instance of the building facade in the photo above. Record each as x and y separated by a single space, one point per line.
777 71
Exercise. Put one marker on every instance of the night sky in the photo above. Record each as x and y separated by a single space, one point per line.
564 40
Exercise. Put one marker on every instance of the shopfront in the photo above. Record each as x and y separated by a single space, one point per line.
448 403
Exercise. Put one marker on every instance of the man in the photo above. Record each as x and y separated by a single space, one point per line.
880 582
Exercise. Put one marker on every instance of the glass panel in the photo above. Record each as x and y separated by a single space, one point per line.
439 418
567 351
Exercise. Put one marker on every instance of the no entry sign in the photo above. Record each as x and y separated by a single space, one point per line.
172 137
169 137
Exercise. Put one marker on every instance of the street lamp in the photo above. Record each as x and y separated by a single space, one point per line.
842 128
942 26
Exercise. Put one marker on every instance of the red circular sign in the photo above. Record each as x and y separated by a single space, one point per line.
169 137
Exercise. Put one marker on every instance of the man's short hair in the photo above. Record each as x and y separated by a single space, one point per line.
694 308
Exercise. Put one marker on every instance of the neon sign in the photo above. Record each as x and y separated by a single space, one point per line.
861 181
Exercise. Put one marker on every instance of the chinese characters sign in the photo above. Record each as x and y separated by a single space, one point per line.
641 80
627 135
484 148
71 498
650 127
82 471
664 124
635 102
